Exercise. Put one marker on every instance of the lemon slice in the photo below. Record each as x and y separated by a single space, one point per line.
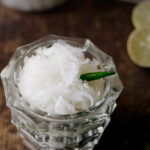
141 15
138 46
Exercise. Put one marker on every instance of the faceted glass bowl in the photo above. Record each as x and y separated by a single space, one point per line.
43 131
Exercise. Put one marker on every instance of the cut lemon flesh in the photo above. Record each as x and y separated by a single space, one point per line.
138 46
141 15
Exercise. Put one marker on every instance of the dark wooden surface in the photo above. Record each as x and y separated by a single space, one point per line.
108 25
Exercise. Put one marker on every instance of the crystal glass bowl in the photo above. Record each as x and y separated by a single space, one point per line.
42 131
32 5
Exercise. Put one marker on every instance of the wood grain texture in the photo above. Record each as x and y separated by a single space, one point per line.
108 25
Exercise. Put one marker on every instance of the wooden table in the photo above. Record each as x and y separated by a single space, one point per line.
108 25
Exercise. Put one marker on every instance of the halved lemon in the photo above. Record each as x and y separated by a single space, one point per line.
141 15
138 46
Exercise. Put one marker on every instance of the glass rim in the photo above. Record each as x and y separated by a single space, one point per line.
35 111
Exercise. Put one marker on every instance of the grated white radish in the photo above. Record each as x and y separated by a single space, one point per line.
50 80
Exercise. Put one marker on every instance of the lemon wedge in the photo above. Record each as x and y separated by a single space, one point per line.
141 15
138 46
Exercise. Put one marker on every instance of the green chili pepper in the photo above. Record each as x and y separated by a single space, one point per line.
95 75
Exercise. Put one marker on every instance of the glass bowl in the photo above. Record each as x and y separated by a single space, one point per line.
42 131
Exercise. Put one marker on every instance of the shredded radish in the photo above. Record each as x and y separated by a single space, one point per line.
50 79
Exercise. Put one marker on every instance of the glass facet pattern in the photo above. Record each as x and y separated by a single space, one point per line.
42 131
